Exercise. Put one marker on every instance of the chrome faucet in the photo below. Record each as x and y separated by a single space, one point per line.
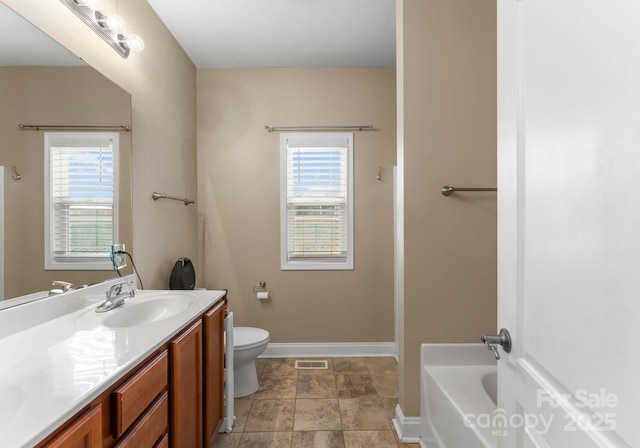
62 287
503 339
115 296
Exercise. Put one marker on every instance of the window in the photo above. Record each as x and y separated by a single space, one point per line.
316 201
81 198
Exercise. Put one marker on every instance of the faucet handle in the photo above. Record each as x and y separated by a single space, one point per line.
503 339
116 289
66 286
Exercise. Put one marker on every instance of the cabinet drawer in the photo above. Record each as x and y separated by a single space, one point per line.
134 396
150 428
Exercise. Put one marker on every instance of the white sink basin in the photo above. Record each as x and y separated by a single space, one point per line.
148 309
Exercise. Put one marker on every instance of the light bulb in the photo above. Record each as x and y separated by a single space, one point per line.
116 23
134 42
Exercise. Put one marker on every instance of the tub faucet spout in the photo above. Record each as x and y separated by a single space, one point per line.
503 339
490 346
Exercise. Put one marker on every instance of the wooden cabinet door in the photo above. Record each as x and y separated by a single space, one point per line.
186 388
213 322
163 442
85 432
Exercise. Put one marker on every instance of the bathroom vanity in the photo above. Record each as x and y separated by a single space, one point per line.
150 373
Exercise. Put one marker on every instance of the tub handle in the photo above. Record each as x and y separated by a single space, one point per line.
503 339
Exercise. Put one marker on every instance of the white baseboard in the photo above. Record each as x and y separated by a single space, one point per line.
333 350
407 428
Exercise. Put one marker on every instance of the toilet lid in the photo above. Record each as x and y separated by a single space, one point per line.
245 337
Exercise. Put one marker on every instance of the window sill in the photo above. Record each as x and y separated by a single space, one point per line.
78 266
317 266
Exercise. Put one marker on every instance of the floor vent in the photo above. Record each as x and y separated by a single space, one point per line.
311 365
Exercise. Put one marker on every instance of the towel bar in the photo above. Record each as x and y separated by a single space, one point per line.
446 190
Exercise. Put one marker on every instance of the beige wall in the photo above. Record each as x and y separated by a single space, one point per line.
47 95
447 125
447 122
161 81
239 199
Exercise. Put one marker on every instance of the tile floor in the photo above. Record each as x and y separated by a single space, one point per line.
348 405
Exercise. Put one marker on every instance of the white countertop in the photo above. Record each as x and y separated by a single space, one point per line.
50 368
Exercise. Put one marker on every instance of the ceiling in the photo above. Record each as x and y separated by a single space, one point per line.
282 33
22 44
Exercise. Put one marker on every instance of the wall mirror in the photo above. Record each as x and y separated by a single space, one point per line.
43 83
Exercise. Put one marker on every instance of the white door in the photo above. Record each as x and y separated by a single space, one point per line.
569 222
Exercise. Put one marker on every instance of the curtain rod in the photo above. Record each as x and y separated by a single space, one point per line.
69 127
270 128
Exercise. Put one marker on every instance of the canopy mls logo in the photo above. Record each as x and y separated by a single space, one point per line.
584 411
500 422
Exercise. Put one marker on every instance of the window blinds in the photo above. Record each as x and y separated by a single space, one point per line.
317 201
82 190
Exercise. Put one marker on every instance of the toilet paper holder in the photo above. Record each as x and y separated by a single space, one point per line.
261 291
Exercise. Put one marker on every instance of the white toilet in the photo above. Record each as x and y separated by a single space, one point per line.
248 344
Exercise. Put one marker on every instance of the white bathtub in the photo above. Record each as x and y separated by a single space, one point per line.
458 396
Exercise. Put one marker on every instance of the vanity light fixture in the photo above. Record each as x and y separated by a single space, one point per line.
93 4
112 21
108 27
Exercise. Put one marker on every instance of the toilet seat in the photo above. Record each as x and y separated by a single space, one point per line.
248 337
